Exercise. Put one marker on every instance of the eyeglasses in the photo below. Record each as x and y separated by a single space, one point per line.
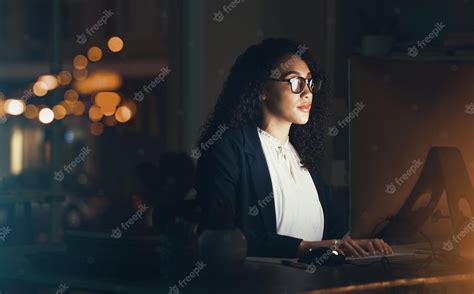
298 84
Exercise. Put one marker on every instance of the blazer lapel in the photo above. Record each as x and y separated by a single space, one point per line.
260 177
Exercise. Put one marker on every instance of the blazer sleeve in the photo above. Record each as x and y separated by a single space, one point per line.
217 183
216 180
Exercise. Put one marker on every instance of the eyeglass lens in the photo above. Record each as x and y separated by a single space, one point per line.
298 84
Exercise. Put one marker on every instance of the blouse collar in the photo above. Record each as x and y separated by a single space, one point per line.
274 141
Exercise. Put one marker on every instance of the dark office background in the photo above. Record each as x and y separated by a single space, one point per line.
70 159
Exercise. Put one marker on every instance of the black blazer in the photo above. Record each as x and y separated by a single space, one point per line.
233 179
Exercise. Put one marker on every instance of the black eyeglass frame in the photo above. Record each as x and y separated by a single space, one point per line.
309 82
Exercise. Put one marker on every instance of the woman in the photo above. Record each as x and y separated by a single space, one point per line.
258 157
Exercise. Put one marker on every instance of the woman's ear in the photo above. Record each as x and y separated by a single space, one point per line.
263 95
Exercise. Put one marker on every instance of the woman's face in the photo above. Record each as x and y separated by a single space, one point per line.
283 104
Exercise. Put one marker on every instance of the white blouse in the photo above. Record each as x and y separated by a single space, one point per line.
297 208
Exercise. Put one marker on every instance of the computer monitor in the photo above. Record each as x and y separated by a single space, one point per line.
443 172
410 106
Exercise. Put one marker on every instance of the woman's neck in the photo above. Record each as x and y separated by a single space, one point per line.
278 129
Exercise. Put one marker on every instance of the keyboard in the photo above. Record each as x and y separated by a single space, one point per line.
401 255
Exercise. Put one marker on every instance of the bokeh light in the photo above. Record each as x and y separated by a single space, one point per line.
99 81
131 105
94 54
71 96
115 44
14 106
64 78
80 74
78 108
31 111
50 81
40 88
2 109
46 115
59 112
108 102
67 106
97 128
69 136
80 62
95 113
123 114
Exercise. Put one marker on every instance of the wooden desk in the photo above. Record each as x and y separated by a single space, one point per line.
257 277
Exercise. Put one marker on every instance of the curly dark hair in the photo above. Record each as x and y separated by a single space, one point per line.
238 103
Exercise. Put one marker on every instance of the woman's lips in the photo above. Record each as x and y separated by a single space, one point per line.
305 107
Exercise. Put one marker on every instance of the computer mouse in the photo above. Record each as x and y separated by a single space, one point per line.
323 256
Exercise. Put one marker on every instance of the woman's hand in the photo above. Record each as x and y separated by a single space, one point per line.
348 246
373 245
364 247
305 246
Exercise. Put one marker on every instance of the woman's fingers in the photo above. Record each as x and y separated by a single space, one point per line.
379 244
369 246
350 249
387 247
359 249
